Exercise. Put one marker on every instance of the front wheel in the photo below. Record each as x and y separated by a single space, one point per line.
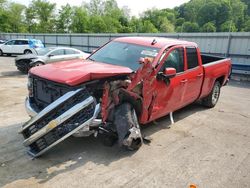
127 127
1 53
212 99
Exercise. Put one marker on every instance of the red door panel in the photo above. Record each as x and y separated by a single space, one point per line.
194 76
167 97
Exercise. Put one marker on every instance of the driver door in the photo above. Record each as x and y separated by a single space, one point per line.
169 93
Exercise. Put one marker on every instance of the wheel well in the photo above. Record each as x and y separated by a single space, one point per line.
137 104
221 80
39 62
27 50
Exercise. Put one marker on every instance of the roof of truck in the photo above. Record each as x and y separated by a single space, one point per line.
160 42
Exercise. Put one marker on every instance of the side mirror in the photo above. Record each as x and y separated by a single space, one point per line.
170 72
50 55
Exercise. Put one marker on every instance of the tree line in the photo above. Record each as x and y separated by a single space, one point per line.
104 16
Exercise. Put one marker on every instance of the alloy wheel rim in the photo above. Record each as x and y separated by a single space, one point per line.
215 95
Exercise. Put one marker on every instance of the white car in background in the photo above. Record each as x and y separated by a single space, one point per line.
20 46
43 56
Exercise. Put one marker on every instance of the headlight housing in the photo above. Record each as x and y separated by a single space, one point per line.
30 85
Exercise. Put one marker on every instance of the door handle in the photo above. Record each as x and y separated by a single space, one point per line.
184 81
199 75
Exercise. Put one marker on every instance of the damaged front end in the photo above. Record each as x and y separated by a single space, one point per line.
64 117
109 106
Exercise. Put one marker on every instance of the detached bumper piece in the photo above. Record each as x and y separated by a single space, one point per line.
59 120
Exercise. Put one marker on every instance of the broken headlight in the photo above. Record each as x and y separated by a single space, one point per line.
30 86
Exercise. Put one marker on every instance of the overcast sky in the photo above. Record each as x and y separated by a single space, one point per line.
136 6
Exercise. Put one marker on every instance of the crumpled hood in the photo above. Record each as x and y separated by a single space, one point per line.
77 71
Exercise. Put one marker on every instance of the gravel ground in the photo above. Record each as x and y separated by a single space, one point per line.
205 147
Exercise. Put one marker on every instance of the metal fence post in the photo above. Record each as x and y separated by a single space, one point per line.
44 40
228 45
56 40
88 43
70 40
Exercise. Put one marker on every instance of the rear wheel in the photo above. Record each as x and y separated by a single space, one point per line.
212 99
27 52
127 127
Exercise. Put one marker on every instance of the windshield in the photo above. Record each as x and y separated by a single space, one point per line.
123 54
43 51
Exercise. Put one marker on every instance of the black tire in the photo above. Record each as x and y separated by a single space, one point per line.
1 53
211 100
27 52
125 119
109 140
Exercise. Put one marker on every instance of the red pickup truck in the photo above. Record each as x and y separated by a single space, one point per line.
125 84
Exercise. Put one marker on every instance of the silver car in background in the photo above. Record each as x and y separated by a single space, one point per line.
47 55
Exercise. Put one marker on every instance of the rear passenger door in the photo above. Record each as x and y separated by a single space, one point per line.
71 54
24 44
20 46
55 56
193 76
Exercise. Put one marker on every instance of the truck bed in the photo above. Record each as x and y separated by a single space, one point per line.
210 59
214 68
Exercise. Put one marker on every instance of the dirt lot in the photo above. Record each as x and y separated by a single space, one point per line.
206 147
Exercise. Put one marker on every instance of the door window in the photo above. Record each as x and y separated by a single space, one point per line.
57 52
192 57
174 60
10 42
25 42
21 42
70 52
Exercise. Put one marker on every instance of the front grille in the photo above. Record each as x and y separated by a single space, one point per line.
45 92
59 110
71 112
23 64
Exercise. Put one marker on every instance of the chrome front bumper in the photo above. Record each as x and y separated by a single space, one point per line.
30 111
63 124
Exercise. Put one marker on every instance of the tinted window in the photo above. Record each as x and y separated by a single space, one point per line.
43 51
57 52
69 51
10 42
192 58
25 42
175 60
21 42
